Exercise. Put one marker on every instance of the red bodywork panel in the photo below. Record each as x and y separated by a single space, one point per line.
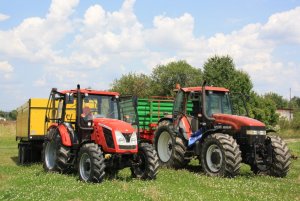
237 121
113 125
64 134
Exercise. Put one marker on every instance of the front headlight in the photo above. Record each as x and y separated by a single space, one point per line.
133 139
120 138
255 132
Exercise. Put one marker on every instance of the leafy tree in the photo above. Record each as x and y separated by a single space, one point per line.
133 84
13 115
295 102
221 71
263 109
165 77
277 99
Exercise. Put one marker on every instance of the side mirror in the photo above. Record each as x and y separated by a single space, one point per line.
69 98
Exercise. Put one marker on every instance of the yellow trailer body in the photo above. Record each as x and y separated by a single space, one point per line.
30 129
31 119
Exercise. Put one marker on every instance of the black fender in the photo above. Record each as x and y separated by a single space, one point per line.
165 119
270 130
208 132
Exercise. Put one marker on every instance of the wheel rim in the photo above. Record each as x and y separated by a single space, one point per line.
214 158
50 154
85 166
164 146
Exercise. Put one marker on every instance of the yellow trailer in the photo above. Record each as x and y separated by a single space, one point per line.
30 129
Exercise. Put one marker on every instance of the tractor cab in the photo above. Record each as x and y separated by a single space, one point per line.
188 110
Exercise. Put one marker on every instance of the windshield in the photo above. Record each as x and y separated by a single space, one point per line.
217 102
96 106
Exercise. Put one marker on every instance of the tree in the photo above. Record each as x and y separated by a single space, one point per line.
295 103
133 84
277 99
221 71
13 115
263 109
165 77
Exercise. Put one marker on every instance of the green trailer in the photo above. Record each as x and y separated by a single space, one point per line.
150 111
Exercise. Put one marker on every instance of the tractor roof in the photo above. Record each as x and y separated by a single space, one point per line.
190 89
90 91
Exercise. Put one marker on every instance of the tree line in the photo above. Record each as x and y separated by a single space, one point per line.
217 71
12 115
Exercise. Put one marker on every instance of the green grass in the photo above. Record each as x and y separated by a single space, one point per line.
32 183
289 133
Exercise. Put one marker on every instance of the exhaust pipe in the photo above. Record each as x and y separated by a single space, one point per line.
206 117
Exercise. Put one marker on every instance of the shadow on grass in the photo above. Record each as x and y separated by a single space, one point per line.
15 159
197 169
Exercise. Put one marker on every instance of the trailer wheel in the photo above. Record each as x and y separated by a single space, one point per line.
55 155
220 156
169 147
22 154
146 163
280 159
91 165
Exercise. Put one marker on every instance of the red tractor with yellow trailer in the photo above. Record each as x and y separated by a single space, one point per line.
87 130
220 140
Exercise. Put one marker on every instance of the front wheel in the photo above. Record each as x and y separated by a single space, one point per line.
91 165
146 163
281 159
220 156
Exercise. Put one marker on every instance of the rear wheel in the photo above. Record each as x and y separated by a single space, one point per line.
91 165
146 163
55 155
169 147
220 156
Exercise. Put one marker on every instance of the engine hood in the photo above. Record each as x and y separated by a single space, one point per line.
237 121
114 124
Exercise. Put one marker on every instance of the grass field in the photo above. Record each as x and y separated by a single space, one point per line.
32 183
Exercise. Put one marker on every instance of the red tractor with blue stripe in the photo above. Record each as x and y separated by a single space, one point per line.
220 140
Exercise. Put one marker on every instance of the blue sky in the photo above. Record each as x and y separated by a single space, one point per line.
47 44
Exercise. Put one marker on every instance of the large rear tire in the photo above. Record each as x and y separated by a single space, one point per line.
281 159
91 165
220 156
169 147
55 155
146 163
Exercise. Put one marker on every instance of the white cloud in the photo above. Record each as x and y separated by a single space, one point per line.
283 27
173 32
3 17
36 36
102 45
6 69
